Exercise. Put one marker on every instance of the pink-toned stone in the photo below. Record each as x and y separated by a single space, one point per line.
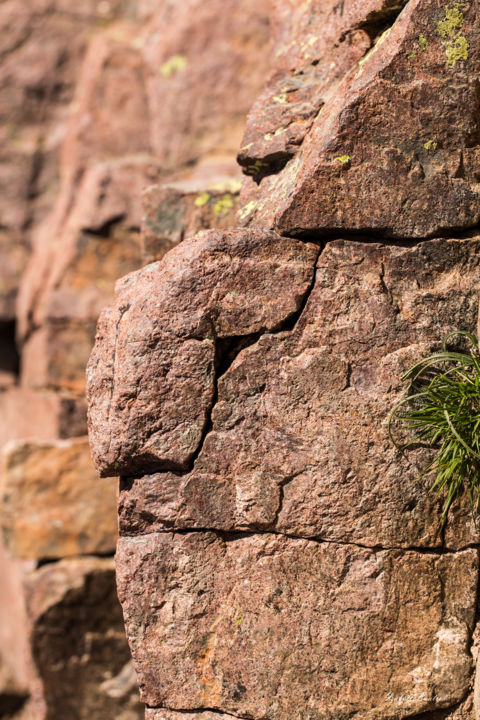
52 502
299 440
179 210
28 414
55 356
156 346
267 626
394 147
78 641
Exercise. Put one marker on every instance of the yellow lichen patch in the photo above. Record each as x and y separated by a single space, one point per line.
232 186
411 55
342 158
423 42
456 49
452 22
281 99
174 64
247 209
431 145
202 199
270 136
223 205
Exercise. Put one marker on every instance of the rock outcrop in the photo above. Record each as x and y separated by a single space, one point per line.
100 100
278 558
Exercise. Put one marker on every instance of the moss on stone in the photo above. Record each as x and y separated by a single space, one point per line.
423 42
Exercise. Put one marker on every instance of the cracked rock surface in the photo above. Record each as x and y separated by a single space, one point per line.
278 559
156 347
393 145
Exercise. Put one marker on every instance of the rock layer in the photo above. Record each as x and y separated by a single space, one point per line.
393 147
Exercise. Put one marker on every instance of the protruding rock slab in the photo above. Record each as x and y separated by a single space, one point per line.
151 377
299 438
78 641
260 626
52 502
395 146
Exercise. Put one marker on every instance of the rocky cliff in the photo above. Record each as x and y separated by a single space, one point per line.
278 559
99 100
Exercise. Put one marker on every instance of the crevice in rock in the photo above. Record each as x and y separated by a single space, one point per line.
379 21
228 349
382 236
191 711
437 714
106 229
232 535
9 355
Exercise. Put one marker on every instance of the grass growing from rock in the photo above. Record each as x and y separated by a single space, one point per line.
442 410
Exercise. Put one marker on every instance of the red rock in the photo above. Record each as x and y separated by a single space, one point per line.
52 502
215 286
179 210
299 441
260 626
78 641
55 356
393 149
27 414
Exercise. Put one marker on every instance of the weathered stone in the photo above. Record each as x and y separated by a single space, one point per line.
407 110
157 346
28 414
12 696
14 257
78 640
299 438
52 502
177 211
273 627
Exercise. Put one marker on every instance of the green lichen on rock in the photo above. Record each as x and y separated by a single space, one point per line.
456 50
431 145
423 42
174 64
223 205
342 158
451 23
202 199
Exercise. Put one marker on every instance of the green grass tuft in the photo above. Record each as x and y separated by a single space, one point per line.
442 411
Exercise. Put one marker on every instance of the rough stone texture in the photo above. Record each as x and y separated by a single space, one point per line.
52 502
96 100
298 441
275 627
177 211
78 641
393 146
173 315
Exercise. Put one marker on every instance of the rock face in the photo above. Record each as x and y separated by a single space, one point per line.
216 287
269 626
99 100
324 589
372 132
78 643
278 558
